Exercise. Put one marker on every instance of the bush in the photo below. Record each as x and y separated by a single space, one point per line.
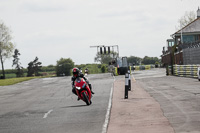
64 67
103 68
93 68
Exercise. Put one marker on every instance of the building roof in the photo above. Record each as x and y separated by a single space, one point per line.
193 27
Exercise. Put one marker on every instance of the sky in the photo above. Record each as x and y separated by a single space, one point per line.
54 29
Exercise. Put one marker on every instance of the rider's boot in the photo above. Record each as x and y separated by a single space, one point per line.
78 99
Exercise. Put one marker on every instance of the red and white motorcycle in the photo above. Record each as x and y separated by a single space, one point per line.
83 91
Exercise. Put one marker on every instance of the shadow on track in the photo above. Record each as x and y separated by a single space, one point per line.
75 106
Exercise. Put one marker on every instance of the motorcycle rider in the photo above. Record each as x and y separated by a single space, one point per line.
86 71
76 74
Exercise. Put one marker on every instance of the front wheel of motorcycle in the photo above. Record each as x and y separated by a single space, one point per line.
86 99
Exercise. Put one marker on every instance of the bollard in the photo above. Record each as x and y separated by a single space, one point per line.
126 86
129 80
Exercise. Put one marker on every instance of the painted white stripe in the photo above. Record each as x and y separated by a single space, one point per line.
46 114
105 125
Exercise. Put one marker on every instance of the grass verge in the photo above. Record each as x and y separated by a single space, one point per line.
5 82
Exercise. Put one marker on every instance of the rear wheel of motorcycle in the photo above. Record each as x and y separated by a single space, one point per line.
86 99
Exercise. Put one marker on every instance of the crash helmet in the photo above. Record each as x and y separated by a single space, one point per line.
75 72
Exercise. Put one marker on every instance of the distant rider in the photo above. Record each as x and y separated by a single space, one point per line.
76 74
86 71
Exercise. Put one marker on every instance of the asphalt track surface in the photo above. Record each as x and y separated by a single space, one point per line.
179 98
48 106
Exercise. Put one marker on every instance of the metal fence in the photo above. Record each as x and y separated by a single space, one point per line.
191 53
191 56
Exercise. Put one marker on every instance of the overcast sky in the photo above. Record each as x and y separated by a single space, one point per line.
51 29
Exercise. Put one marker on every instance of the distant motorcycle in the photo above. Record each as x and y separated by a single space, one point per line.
86 71
81 71
83 90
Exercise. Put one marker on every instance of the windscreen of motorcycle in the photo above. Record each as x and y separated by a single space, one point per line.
79 82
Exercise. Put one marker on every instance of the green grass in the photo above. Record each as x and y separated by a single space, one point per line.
11 81
12 75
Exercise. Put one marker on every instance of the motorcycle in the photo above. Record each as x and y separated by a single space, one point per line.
86 72
83 90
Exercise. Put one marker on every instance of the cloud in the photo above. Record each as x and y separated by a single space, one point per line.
41 6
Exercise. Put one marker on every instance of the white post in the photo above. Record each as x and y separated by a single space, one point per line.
129 80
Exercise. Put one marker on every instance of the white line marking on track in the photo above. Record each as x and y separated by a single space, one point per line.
46 114
105 125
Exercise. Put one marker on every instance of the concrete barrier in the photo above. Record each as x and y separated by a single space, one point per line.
186 70
144 67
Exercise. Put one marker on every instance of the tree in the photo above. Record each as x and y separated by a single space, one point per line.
150 60
64 67
135 60
34 67
17 64
50 66
103 68
6 46
188 17
105 58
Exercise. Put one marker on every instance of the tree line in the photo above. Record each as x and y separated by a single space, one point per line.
143 61
134 60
